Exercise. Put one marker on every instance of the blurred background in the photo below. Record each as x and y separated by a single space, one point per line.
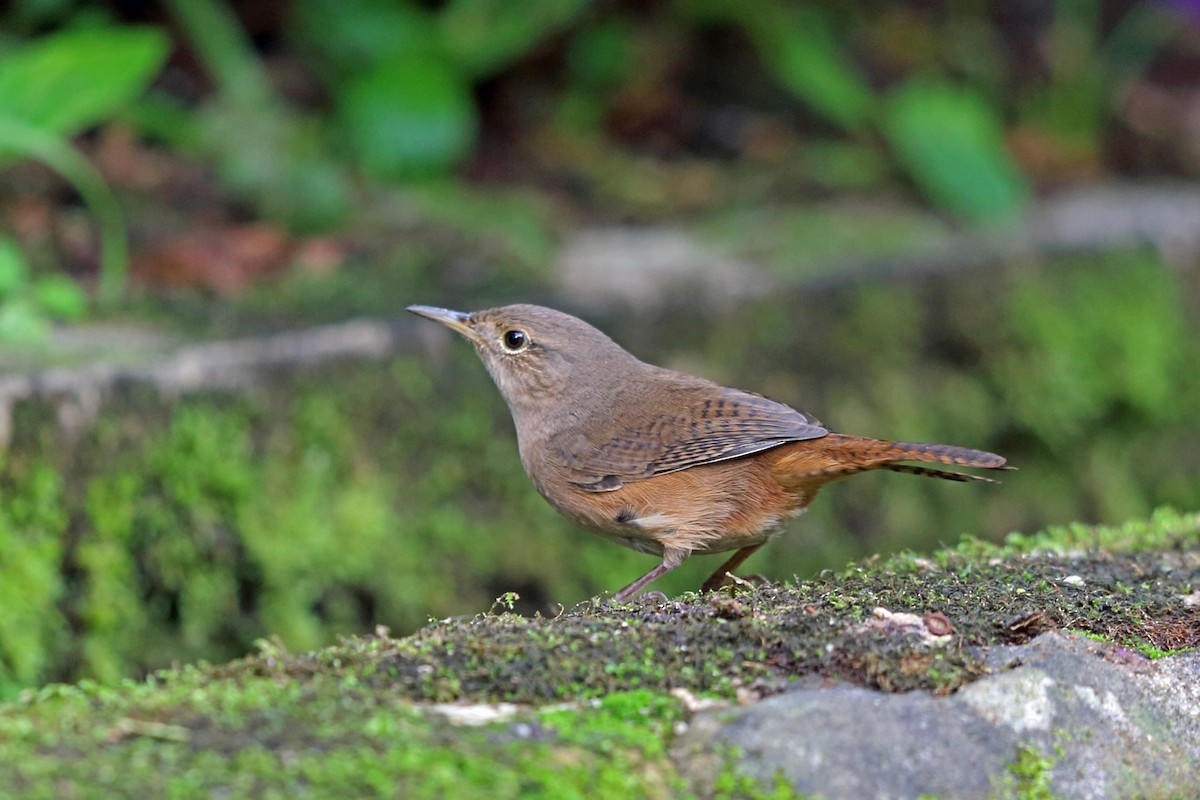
971 222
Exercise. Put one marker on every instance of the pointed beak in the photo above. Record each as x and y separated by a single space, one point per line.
455 320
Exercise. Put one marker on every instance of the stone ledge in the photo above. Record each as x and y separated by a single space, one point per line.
1083 718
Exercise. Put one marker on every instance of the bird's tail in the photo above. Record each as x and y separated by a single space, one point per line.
838 455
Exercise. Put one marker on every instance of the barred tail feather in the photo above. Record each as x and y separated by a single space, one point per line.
939 473
947 454
837 456
942 454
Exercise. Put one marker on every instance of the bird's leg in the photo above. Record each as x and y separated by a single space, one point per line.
717 578
672 558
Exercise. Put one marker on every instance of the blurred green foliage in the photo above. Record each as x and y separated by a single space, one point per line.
408 115
33 519
953 144
408 93
50 90
76 79
403 78
390 494
266 150
799 45
407 86
28 303
403 74
1089 56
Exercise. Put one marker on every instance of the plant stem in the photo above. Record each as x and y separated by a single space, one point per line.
60 156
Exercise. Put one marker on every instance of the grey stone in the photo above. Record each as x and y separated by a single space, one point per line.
1087 719
643 267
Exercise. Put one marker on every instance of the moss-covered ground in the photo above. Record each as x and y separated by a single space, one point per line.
598 691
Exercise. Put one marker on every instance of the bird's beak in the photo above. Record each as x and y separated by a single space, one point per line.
455 320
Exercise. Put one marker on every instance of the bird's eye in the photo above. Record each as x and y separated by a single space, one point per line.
514 341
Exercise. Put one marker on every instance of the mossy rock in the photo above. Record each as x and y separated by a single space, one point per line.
587 704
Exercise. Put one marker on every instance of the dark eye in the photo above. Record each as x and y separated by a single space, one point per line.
515 340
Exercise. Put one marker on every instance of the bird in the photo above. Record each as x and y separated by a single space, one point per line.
660 461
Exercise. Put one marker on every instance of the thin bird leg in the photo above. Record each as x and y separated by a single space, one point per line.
717 578
671 560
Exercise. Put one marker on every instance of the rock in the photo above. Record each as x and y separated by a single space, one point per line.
644 267
140 358
1065 714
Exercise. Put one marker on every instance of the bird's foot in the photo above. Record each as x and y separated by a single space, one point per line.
729 579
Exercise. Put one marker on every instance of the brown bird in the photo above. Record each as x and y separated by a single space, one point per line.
659 461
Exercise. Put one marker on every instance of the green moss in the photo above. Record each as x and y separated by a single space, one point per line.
763 637
110 607
1165 528
730 784
185 735
33 631
1030 774
1151 652
1148 650
197 529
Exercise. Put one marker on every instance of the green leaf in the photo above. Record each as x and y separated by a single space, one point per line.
601 54
22 322
951 142
351 35
279 160
60 297
409 116
798 45
13 269
57 153
74 79
482 36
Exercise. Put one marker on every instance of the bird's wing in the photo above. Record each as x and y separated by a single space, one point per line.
703 431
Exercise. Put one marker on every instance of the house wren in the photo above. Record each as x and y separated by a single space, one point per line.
659 461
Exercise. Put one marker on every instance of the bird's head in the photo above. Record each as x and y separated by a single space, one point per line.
538 357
